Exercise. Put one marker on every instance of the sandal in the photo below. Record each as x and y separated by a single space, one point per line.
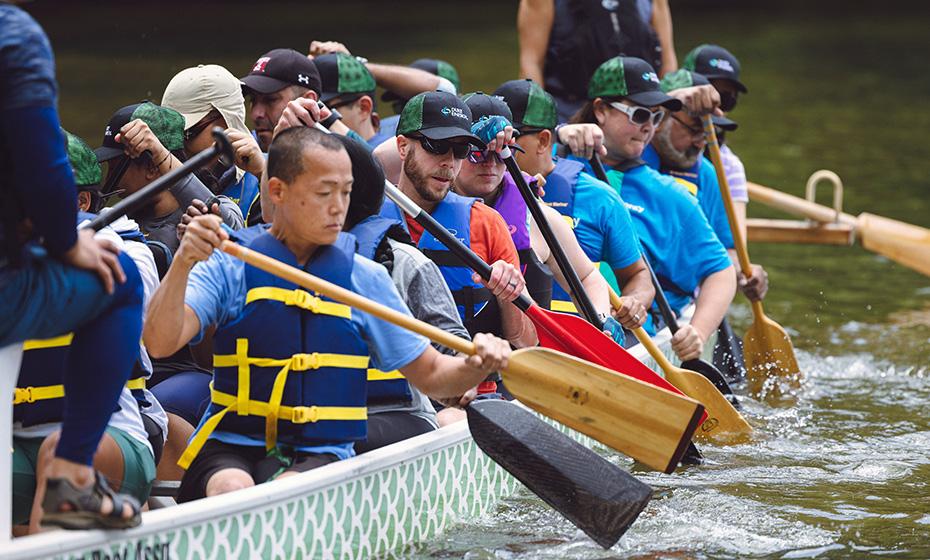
86 504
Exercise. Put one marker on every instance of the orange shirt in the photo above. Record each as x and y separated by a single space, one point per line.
490 238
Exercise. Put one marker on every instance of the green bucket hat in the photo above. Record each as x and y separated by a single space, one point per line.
343 75
167 125
84 163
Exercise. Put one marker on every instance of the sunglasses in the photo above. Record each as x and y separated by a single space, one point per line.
481 156
197 129
442 147
727 101
639 115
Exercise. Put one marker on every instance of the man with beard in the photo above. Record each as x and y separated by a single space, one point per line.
676 150
434 137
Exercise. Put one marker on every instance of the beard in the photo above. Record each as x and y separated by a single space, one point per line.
672 156
420 177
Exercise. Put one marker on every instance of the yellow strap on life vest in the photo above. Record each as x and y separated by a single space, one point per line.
301 299
563 306
138 383
57 342
293 414
23 395
692 188
378 375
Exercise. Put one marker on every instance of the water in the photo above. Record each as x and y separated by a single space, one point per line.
836 85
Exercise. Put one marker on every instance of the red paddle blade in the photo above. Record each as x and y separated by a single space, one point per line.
573 335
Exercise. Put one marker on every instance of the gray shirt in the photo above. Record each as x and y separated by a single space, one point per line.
164 228
423 288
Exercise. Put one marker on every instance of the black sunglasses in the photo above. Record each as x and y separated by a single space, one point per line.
728 101
442 147
194 131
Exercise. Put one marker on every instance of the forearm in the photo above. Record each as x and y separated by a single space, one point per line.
739 208
403 80
596 287
717 291
534 22
163 330
662 23
639 287
517 327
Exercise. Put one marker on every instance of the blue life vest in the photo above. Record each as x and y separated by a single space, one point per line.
291 368
560 195
244 192
384 387
476 304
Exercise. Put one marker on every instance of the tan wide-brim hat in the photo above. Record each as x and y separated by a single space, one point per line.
196 91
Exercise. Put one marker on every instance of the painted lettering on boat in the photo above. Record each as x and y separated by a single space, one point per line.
141 551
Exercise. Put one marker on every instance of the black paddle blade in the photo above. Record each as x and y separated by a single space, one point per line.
714 376
597 496
728 353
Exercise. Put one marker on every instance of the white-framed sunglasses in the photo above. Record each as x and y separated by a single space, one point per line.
639 115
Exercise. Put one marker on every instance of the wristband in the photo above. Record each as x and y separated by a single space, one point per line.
331 119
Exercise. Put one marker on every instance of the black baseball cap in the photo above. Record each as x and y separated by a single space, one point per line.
279 68
631 78
167 125
437 115
484 105
532 107
343 76
434 66
683 78
715 62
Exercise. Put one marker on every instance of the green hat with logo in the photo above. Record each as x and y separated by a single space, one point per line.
343 76
83 162
631 78
437 115
167 125
532 107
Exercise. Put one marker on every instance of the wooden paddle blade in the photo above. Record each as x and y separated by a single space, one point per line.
645 422
711 373
724 425
903 243
594 494
773 371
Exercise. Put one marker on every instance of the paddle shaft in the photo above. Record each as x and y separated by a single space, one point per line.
144 196
561 259
342 295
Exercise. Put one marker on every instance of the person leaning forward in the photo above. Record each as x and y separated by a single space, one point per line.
287 418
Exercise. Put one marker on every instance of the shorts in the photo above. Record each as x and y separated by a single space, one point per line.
185 394
217 455
138 471
385 428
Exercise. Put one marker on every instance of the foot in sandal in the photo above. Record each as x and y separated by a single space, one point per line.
95 506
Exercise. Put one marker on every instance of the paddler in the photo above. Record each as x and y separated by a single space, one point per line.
598 218
676 150
626 101
434 138
288 393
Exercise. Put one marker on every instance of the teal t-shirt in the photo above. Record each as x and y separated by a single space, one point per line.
701 181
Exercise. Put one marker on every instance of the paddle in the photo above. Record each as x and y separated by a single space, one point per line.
651 425
767 348
144 196
558 331
728 353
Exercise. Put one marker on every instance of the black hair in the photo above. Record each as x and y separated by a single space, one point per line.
585 114
286 154
367 184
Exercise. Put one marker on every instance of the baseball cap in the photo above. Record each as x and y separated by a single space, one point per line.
84 164
484 105
631 78
167 125
532 107
196 91
436 67
683 78
343 76
279 68
714 62
437 115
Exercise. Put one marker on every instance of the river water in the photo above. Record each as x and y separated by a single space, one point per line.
844 472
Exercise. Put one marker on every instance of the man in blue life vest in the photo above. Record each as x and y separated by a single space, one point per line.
208 96
485 176
597 216
434 137
55 279
676 150
626 101
288 393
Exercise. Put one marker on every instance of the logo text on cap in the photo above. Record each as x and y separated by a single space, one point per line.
454 112
303 79
650 77
722 64
260 64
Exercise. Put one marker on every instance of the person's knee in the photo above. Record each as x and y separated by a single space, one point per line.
228 480
47 449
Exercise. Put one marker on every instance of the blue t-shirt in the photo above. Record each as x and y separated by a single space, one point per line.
388 130
216 293
674 233
700 180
